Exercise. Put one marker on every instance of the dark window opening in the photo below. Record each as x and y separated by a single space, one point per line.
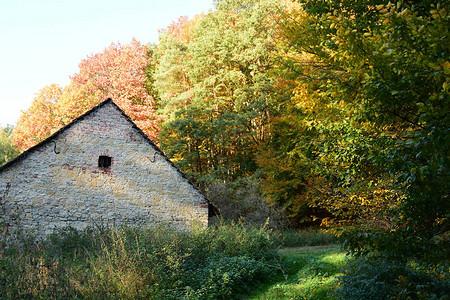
104 161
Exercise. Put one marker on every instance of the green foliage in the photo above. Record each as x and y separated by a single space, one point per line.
227 277
401 245
290 180
159 263
215 87
366 278
7 149
373 81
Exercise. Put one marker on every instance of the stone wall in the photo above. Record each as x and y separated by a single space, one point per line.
59 183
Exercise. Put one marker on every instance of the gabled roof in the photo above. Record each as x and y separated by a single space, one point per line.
24 154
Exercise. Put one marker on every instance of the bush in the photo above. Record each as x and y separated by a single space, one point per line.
241 200
227 277
376 278
127 263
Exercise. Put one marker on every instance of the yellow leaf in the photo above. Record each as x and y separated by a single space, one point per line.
403 12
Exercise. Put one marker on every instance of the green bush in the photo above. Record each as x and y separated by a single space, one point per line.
127 263
376 278
227 277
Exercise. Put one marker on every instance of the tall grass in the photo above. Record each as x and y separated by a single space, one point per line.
218 263
303 237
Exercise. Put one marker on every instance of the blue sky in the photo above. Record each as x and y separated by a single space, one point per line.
43 41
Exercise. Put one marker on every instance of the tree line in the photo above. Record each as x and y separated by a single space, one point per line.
339 110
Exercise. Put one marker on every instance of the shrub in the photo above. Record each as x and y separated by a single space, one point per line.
376 278
226 277
241 200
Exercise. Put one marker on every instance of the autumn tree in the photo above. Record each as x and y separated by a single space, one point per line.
171 78
217 93
118 72
40 120
379 107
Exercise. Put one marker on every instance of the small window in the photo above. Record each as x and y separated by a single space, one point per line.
104 161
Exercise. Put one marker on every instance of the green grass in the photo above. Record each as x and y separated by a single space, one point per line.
302 237
311 273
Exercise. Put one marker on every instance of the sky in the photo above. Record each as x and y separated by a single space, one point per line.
43 41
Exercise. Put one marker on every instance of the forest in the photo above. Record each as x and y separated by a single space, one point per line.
298 113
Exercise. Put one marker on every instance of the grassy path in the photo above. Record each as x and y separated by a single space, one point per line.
311 273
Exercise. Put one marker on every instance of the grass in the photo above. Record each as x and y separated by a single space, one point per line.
302 237
128 263
223 262
311 273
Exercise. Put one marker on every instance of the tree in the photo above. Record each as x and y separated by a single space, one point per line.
171 79
7 149
217 97
118 72
381 109
40 120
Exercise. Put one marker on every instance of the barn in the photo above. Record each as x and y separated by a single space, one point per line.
100 169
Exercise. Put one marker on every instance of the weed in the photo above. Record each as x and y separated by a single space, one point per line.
128 263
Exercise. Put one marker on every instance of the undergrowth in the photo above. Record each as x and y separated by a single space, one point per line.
303 237
369 277
216 263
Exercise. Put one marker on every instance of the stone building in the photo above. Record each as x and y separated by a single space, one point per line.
100 169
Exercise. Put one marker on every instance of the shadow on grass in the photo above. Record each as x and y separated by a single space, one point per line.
309 273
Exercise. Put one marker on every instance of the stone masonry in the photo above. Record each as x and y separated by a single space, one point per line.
63 181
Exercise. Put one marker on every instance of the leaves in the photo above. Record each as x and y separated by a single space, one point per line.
118 72
7 149
379 109
341 108
215 89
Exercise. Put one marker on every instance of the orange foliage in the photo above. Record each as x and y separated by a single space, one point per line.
181 30
118 72
39 120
